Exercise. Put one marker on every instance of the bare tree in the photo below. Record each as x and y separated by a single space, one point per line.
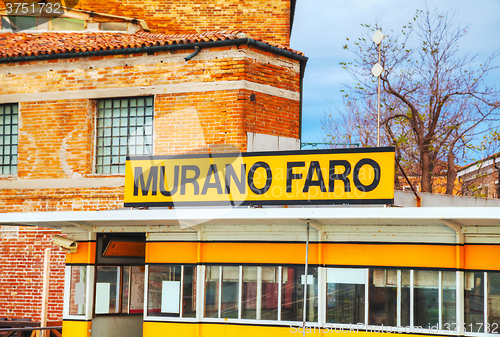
435 101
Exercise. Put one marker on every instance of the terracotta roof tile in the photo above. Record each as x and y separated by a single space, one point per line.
31 44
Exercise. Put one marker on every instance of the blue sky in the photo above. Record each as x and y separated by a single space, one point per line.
321 27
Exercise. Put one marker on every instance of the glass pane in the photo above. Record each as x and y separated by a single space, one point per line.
474 301
382 297
137 289
230 291
449 298
292 294
78 290
212 278
345 295
189 292
107 290
118 125
164 291
270 292
405 298
426 298
19 23
65 24
249 302
493 298
126 289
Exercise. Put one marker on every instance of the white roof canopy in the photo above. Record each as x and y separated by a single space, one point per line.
459 216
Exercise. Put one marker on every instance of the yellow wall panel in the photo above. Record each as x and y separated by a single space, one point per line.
482 257
236 330
260 253
171 252
76 328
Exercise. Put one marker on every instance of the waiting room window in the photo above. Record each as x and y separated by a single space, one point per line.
78 292
480 315
8 139
346 295
172 291
124 127
252 292
119 290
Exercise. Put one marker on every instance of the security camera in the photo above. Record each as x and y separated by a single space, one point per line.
68 245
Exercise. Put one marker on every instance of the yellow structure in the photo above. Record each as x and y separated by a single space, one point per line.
271 270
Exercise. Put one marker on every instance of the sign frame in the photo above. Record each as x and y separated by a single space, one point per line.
371 152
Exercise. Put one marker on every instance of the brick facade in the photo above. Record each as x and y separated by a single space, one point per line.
21 268
206 104
268 20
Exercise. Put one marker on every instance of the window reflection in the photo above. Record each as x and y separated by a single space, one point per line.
382 296
78 292
230 290
474 300
345 295
493 298
171 291
292 294
426 298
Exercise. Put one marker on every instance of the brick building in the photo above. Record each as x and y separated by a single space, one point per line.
481 178
155 78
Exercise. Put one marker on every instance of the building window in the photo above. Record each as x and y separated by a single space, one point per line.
8 139
482 315
172 291
251 292
124 127
119 290
345 295
78 292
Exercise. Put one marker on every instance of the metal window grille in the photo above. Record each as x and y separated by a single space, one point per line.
8 138
124 127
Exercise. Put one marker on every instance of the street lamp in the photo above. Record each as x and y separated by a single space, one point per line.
377 71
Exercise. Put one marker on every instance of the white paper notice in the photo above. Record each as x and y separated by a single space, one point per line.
346 275
310 279
80 293
102 291
170 297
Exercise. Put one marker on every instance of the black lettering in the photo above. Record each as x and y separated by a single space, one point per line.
212 171
163 182
290 176
315 167
342 176
185 180
269 178
152 183
240 183
376 180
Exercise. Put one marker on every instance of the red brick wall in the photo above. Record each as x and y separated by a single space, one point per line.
21 273
268 20
56 141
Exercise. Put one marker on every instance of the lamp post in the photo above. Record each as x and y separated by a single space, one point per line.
377 71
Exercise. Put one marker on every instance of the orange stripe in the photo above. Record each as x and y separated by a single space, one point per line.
482 257
171 252
391 255
266 253
85 254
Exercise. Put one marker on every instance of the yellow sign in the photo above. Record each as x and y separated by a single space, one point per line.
340 176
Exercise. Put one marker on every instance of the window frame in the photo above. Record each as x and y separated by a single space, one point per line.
12 157
96 137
